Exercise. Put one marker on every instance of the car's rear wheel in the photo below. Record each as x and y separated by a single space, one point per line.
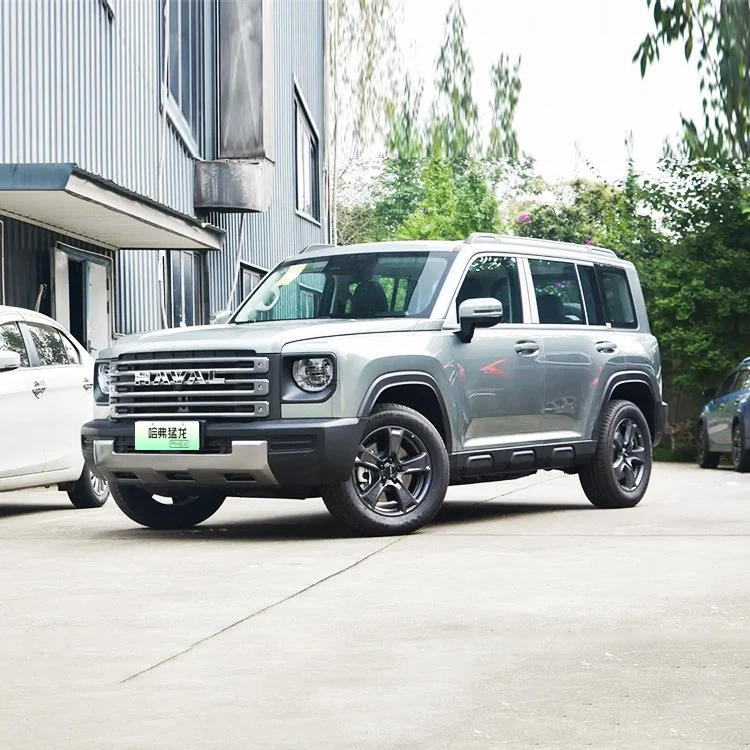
740 454
156 512
399 478
90 491
619 473
706 458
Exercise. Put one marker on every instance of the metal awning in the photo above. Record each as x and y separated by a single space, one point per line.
67 199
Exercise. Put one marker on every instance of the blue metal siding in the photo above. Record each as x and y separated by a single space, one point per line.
77 86
279 232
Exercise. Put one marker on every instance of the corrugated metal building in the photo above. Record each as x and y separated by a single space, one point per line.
156 156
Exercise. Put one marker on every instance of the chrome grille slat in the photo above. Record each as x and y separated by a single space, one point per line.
238 394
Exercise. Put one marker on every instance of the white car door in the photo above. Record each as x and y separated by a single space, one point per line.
66 374
22 415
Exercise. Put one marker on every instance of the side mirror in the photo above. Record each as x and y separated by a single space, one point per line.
221 317
9 360
709 394
478 313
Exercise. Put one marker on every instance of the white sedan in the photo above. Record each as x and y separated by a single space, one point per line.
46 378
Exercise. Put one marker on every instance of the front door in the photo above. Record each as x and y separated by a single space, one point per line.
500 377
22 444
66 397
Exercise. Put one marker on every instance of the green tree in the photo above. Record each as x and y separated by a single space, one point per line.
454 127
720 31
506 89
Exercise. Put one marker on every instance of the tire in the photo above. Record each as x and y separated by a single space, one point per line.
399 479
740 454
619 473
89 491
706 458
183 513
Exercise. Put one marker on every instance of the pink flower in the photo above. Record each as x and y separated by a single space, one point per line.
523 219
589 242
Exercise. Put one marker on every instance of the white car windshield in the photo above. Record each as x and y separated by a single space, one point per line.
353 286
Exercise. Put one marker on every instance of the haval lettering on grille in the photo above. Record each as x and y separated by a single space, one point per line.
375 376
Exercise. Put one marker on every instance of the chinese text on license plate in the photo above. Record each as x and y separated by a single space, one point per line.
167 436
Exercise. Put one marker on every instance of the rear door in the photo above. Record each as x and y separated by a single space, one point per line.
579 352
22 433
64 373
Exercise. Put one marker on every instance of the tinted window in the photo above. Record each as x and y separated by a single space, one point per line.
51 347
743 381
591 296
358 285
617 297
727 386
494 276
558 293
11 339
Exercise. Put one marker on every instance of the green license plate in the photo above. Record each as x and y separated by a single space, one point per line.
167 436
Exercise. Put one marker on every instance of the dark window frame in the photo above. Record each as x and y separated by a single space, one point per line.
303 119
247 268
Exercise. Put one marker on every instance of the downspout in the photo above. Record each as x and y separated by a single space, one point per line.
162 157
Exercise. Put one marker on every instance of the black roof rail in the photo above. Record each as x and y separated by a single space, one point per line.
316 246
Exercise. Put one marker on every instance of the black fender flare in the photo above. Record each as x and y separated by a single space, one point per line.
640 378
392 379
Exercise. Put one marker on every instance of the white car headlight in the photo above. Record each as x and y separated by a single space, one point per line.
313 374
103 377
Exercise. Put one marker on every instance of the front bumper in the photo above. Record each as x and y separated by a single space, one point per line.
660 425
284 457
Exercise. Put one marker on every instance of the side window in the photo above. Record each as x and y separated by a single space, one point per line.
558 293
727 386
743 381
617 298
10 338
249 279
591 296
51 347
494 276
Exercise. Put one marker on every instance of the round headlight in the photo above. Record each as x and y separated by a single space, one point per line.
313 374
102 377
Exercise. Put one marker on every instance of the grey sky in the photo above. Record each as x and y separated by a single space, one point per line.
579 84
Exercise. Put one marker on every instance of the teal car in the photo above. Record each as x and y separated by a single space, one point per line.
724 423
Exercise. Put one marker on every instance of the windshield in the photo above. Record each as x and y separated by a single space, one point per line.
355 286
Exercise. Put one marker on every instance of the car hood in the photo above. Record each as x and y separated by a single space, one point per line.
264 338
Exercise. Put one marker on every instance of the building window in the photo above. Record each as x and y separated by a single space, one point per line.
308 168
186 68
249 279
186 283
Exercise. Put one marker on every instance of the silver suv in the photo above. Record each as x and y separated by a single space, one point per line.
377 375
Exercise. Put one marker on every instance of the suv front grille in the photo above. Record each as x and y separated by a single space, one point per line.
219 384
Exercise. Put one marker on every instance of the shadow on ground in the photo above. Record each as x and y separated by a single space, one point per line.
321 526
9 510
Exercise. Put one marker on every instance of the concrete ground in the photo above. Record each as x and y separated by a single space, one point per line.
522 618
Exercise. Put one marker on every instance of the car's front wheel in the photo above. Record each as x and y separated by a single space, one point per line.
156 512
90 491
399 478
619 473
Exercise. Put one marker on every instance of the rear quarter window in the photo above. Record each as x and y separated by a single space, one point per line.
618 299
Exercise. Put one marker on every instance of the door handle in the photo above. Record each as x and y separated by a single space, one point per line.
87 384
606 347
527 348
39 388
